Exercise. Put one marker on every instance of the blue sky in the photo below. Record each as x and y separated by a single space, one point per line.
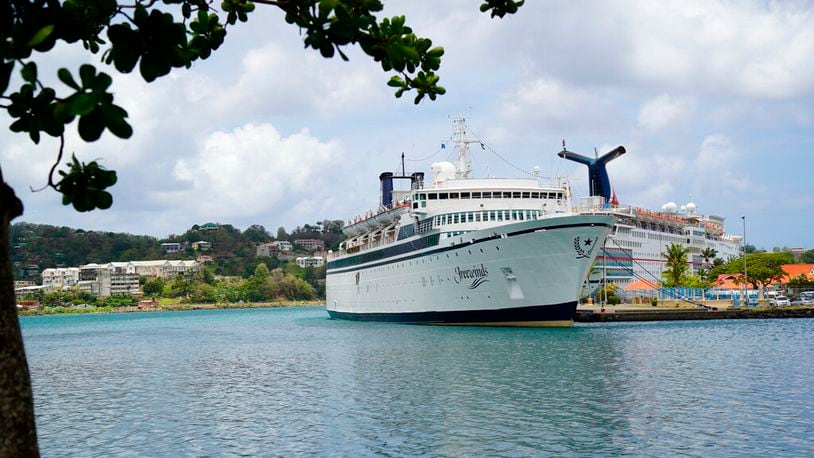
714 101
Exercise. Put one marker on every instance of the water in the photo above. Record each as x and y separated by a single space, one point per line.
291 381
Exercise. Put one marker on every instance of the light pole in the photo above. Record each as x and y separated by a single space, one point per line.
745 277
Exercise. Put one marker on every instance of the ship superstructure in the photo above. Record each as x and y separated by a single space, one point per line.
464 250
634 249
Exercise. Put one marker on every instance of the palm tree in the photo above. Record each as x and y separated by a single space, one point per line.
708 253
677 267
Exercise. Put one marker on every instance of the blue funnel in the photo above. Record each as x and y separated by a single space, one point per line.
599 183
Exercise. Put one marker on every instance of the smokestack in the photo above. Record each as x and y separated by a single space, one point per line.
386 179
598 181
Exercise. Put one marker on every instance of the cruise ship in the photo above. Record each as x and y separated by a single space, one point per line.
466 251
635 245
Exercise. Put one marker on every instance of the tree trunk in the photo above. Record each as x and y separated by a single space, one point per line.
18 432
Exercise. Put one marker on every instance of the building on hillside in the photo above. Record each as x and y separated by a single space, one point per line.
201 245
204 258
797 253
209 227
273 248
95 279
123 279
267 250
24 283
60 277
310 244
310 261
282 245
171 247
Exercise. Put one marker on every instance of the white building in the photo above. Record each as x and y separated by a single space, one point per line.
274 248
310 261
122 277
171 247
201 245
60 277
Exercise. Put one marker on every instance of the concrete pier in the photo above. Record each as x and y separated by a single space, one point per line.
595 315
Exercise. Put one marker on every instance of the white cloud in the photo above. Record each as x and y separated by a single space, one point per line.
716 166
663 110
756 49
277 80
547 101
254 170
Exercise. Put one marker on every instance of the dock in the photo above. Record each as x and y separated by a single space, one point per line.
622 314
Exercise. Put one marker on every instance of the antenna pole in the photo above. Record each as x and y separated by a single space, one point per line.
403 172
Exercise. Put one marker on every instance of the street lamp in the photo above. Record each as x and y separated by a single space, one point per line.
745 278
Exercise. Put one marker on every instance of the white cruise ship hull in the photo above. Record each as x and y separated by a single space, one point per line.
521 274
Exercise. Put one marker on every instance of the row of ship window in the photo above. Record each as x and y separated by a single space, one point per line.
489 195
486 215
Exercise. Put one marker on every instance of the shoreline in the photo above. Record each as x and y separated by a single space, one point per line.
166 308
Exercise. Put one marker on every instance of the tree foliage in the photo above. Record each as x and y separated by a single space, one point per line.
761 268
677 267
156 36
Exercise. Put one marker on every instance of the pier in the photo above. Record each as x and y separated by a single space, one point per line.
594 314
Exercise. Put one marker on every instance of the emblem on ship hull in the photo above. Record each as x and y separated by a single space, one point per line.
584 248
477 276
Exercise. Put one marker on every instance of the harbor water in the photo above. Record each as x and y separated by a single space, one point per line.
291 381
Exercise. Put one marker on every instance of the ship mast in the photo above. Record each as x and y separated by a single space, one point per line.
463 166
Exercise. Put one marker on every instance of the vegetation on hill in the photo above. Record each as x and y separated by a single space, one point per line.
233 251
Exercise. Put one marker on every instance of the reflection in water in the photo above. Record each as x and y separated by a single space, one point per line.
291 381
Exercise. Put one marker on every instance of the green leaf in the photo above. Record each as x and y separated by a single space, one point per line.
82 104
40 36
66 77
29 72
87 73
104 200
91 126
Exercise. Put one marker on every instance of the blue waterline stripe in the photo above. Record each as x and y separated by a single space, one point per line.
459 246
554 312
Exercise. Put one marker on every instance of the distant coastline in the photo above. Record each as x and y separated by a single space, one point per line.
165 308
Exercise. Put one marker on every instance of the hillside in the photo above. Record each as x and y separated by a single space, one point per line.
37 246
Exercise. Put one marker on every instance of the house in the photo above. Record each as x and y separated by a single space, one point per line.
273 248
171 247
310 261
282 245
310 244
795 270
728 281
201 245
209 227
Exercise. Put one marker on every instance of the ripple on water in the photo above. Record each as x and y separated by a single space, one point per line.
290 381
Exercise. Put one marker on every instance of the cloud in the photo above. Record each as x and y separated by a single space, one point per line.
663 110
716 166
284 80
550 102
254 170
755 49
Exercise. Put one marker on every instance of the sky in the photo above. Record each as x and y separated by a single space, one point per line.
713 101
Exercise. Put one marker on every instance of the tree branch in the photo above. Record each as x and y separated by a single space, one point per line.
53 167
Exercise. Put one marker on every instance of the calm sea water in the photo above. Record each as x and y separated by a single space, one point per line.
293 382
